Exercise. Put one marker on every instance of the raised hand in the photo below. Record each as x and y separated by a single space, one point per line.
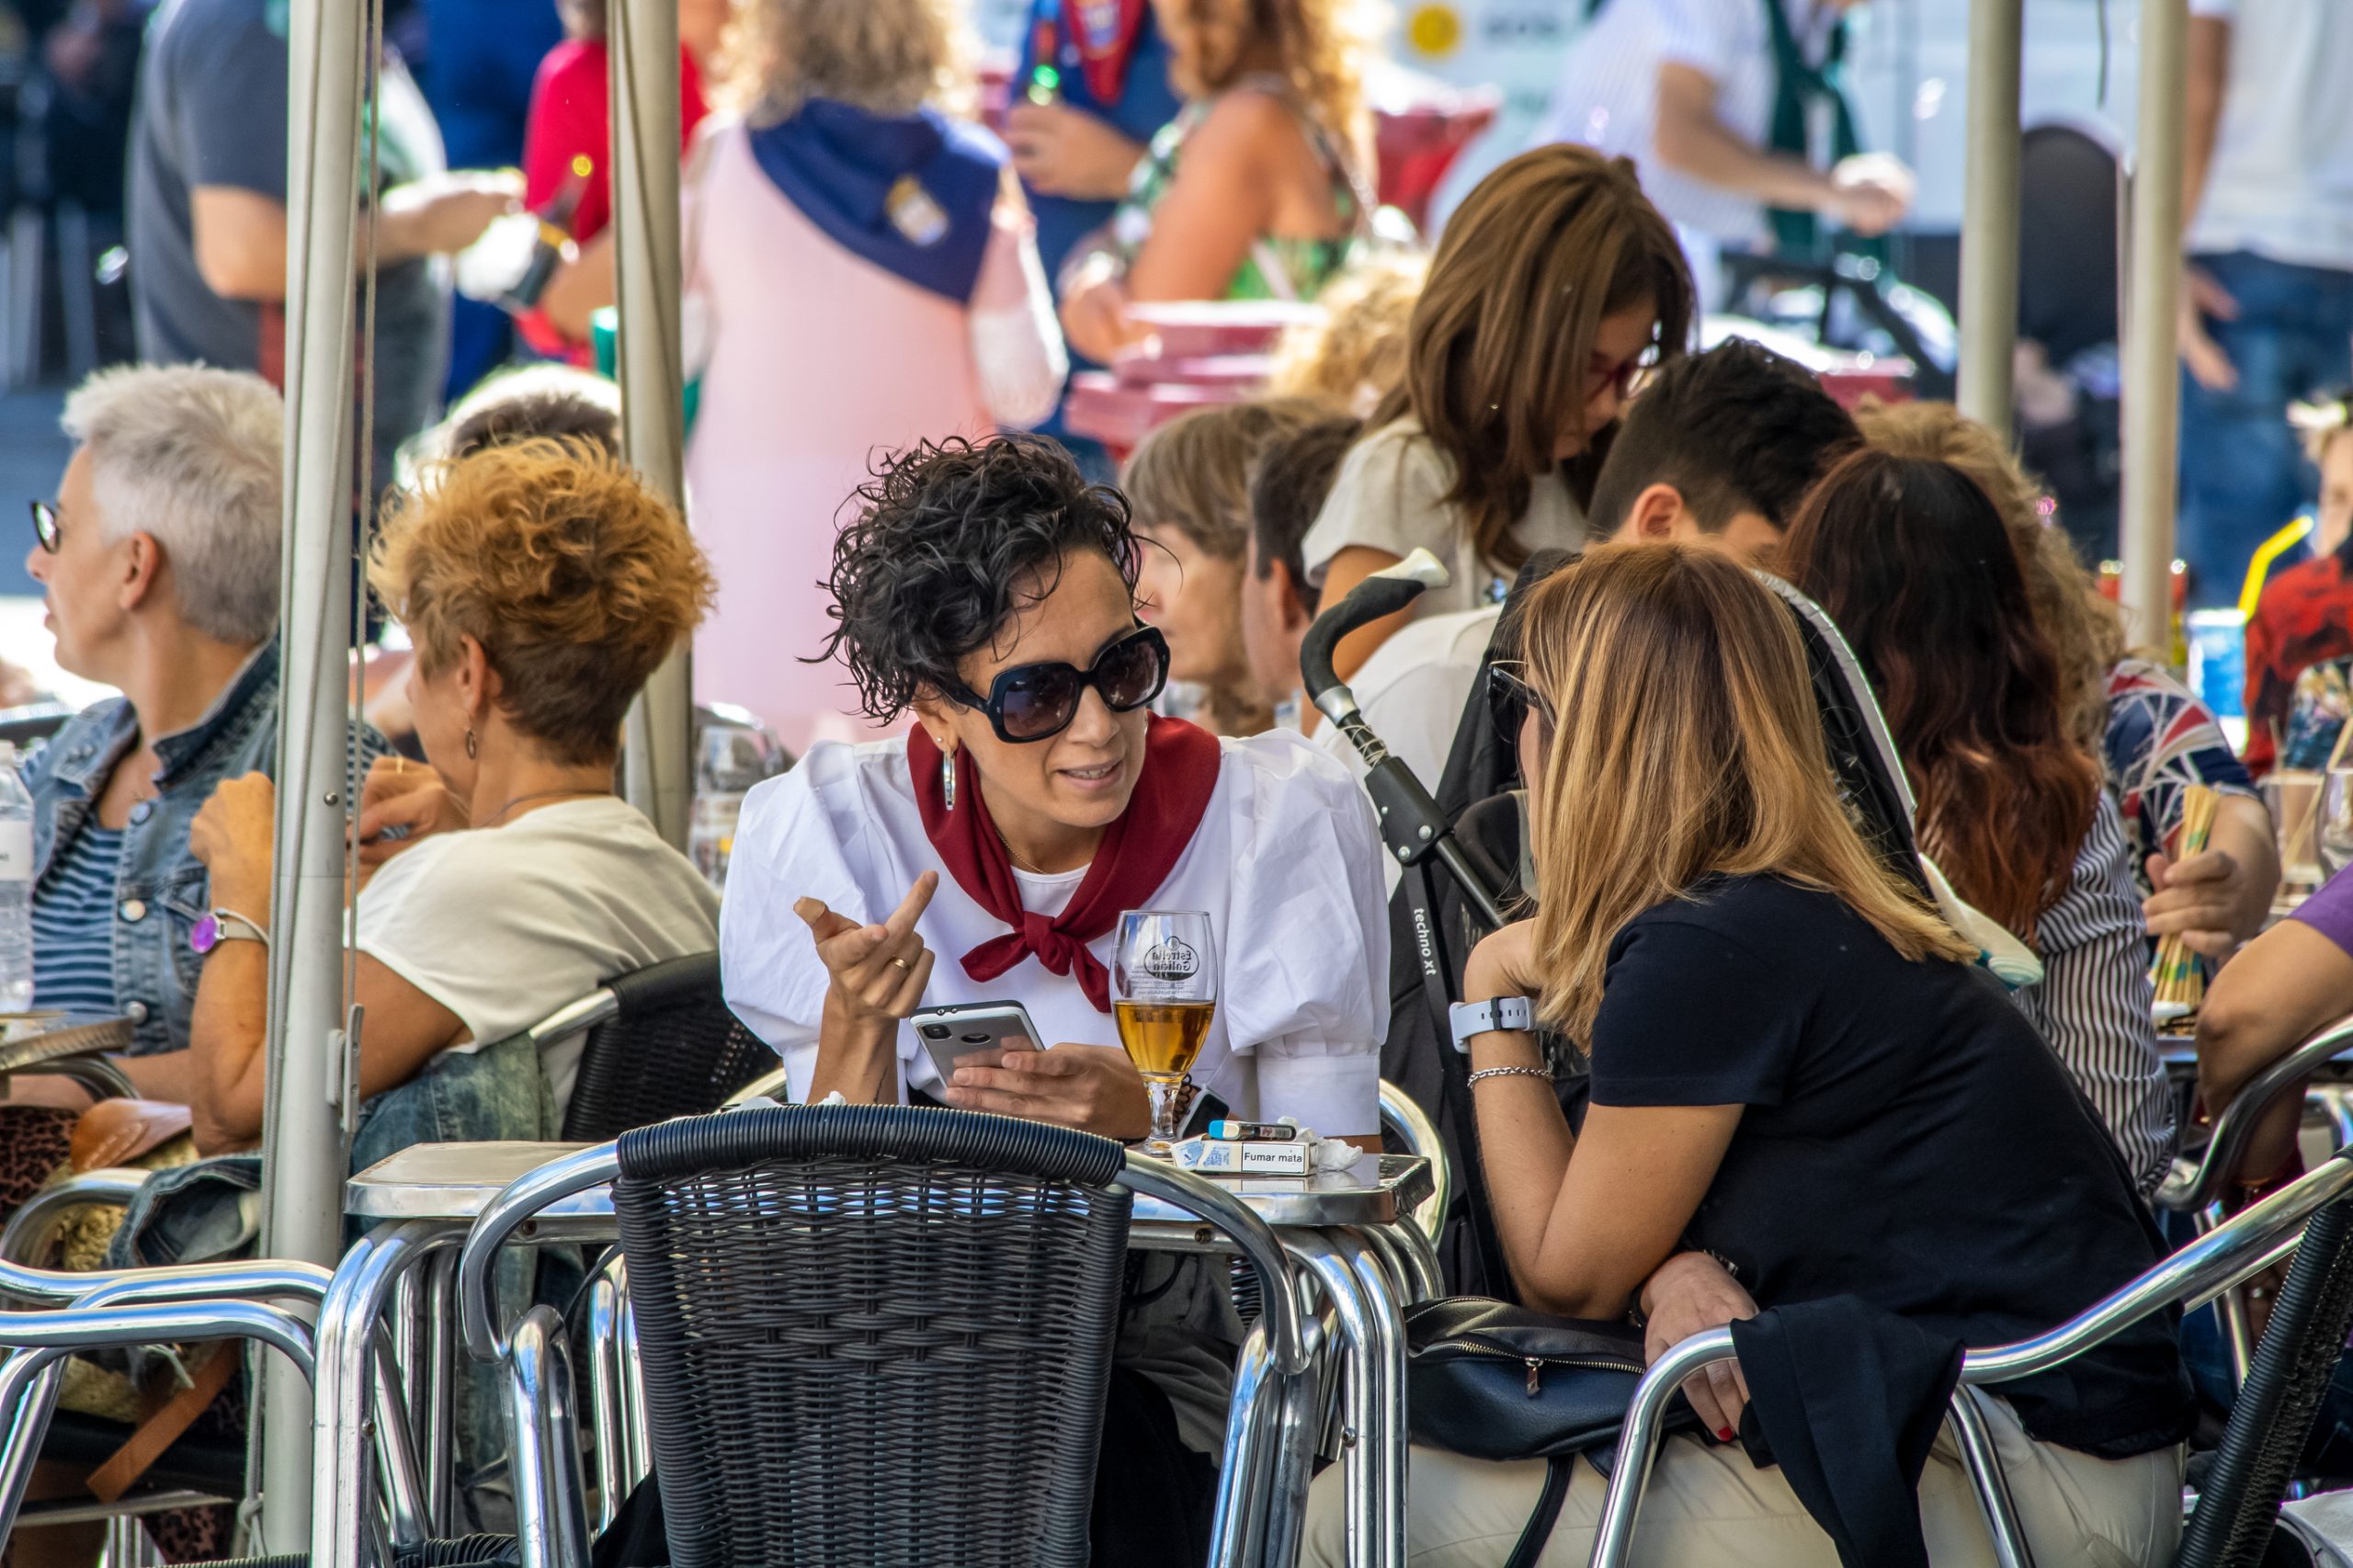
876 972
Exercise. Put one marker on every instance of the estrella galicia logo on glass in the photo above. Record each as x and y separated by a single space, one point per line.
1172 959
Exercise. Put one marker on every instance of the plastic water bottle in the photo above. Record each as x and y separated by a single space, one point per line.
16 887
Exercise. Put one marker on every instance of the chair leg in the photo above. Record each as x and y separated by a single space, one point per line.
1983 1464
128 1545
550 1506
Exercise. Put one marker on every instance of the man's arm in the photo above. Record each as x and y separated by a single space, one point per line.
241 233
2210 70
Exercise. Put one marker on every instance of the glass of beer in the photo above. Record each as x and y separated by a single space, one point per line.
1163 994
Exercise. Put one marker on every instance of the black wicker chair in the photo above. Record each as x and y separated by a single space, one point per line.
661 1043
847 1316
869 1334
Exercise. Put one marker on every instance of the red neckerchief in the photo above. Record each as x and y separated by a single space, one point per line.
1106 32
1138 852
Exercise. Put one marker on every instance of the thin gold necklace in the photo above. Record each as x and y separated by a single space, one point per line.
500 815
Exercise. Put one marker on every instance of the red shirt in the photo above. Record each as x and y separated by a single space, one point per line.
2304 618
571 117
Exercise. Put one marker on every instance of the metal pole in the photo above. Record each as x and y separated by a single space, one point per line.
644 40
2152 291
1989 229
304 1154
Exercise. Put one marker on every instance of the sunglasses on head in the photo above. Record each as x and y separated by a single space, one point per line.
1037 702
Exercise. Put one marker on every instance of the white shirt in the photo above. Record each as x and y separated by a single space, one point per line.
503 926
1414 689
2281 181
1608 98
1284 863
1389 495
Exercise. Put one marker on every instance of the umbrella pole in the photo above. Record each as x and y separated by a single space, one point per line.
2153 292
1989 243
304 1142
643 39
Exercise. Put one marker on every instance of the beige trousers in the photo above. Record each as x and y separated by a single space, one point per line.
1709 1505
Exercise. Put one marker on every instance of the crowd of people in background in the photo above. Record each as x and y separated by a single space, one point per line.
1034 681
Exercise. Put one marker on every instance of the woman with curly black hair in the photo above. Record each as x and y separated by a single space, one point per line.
990 590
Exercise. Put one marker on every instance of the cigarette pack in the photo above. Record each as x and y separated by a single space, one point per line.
1214 1157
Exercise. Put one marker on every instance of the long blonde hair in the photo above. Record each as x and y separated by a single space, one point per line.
2085 632
1684 742
885 56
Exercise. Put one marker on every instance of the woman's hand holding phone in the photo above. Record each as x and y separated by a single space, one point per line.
1092 1088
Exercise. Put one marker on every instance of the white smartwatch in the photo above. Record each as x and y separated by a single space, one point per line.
1481 1017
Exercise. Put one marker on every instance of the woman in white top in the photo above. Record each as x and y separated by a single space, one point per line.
991 590
1557 281
542 585
987 855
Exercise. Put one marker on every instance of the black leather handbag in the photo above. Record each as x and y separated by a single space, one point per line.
1492 1381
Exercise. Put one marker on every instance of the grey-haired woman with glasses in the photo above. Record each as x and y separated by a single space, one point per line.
989 591
158 566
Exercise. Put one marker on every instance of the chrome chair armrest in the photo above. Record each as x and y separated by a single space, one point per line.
29 1230
775 1085
1402 1114
1252 1237
500 1219
2231 1252
2195 1183
96 1073
38 1339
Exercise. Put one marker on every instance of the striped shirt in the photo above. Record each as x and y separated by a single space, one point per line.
2095 1005
73 916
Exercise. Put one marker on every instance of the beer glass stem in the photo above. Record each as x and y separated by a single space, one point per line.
1167 1092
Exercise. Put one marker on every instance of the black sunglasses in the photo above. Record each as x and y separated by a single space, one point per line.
45 525
1037 702
1510 700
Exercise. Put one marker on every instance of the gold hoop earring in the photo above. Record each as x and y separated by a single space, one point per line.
471 745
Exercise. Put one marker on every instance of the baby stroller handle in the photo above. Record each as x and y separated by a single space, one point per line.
1412 829
1385 593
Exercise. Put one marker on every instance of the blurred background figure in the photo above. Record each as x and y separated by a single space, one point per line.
1715 101
1091 89
208 212
477 70
1188 489
2267 309
567 149
1260 189
869 273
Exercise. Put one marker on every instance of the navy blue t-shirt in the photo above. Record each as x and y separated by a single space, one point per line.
1908 1139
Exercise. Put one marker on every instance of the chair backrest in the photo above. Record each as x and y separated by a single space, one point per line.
873 1333
668 1047
2271 1420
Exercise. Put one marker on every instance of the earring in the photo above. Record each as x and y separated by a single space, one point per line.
948 779
472 745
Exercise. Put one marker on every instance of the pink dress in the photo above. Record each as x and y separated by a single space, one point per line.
817 360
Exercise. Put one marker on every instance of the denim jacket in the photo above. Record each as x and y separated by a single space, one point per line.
161 890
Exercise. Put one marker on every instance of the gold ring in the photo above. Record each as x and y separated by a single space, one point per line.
900 963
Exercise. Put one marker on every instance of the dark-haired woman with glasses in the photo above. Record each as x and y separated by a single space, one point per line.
989 590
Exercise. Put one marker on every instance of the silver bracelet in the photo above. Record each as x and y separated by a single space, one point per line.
1509 1073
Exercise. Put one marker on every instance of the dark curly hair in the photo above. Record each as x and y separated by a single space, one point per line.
948 539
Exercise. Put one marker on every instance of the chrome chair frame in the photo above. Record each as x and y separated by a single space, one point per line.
2244 1245
38 1341
549 1489
2194 1185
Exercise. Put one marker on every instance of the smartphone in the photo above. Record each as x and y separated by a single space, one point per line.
975 1034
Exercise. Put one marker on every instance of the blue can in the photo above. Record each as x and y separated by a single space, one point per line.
2217 641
